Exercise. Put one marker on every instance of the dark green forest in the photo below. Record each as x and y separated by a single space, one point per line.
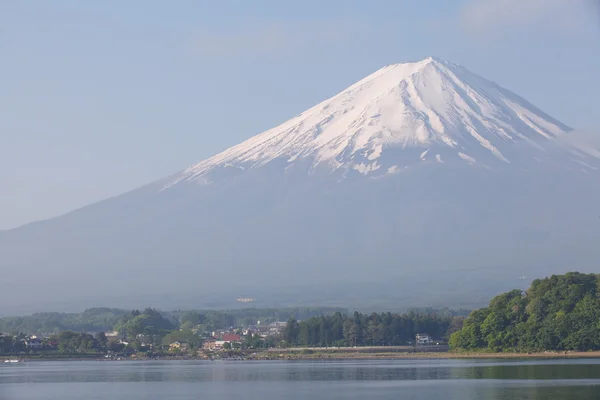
561 312
384 329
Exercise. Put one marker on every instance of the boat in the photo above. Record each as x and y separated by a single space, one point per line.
12 361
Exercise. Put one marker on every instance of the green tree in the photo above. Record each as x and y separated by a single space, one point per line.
6 344
183 336
101 340
291 332
561 312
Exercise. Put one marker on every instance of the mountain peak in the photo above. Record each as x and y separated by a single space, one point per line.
425 107
431 60
428 60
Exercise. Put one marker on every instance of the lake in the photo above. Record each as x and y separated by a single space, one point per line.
353 379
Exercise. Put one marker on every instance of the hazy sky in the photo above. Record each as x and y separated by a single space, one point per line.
100 97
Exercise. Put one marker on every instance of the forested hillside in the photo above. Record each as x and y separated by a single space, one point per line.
557 313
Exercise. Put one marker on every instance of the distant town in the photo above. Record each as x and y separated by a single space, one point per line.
119 344
197 335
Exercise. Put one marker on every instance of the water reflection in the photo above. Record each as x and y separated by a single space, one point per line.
424 379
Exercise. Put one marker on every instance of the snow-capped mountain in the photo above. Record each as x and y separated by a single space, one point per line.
439 110
422 184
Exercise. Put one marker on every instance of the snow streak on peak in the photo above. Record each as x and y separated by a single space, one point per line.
417 105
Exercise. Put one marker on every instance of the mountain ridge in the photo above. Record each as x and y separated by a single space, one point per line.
400 105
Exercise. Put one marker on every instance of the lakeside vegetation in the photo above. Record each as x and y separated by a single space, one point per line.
559 313
150 333
555 315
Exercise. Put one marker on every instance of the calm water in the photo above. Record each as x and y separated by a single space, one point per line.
403 379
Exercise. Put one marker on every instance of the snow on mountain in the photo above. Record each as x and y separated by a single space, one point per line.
438 107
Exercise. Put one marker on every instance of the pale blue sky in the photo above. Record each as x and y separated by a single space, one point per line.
101 97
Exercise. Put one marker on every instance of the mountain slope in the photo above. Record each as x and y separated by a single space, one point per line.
429 105
403 190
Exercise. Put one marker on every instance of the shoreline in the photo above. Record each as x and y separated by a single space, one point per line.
434 355
330 356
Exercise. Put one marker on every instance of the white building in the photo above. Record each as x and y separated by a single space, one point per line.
34 343
423 339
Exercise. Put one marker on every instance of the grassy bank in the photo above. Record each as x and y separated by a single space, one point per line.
274 355
329 355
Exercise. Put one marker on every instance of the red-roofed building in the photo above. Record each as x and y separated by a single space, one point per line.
231 337
212 344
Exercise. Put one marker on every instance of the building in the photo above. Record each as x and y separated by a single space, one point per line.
423 339
217 344
231 337
245 299
210 344
178 346
34 343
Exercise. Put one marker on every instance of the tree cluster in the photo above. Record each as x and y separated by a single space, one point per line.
12 344
72 342
385 329
150 322
91 320
557 313
66 342
211 320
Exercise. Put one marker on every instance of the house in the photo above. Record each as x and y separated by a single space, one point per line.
34 343
210 344
217 344
112 334
178 346
423 339
231 337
